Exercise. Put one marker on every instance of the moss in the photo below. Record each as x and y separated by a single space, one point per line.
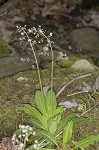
10 118
66 63
4 48
14 93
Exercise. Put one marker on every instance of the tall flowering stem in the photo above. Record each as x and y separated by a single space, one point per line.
52 66
26 36
38 32
42 33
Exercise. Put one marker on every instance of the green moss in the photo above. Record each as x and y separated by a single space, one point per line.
14 93
66 63
10 118
4 49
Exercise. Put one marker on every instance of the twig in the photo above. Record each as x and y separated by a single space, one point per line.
68 83
89 109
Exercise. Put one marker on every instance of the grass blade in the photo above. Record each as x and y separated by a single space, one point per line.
87 141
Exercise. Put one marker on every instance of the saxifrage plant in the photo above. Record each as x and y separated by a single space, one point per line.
48 130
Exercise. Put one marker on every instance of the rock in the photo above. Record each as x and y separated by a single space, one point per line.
5 49
11 65
68 104
86 39
83 64
22 79
68 61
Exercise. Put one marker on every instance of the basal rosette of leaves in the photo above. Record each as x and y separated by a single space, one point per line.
52 130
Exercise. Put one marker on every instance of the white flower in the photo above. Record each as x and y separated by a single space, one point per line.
24 130
40 31
51 34
35 146
38 145
14 137
29 30
23 135
34 133
22 33
22 126
29 40
26 127
19 136
21 145
30 129
36 141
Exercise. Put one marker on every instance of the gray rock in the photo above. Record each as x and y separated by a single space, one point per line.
11 65
68 104
83 64
86 39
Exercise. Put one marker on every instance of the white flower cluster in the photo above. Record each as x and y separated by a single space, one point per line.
36 145
20 139
38 33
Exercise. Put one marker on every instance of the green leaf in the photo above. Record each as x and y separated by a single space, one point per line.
78 120
59 110
67 132
36 123
47 136
50 103
64 121
58 118
33 112
18 132
53 127
87 141
39 100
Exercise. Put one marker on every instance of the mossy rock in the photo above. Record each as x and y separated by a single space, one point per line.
4 48
66 63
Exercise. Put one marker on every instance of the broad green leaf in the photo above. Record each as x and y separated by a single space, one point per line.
47 136
39 100
53 127
64 121
58 118
67 132
87 141
33 112
50 102
55 118
36 123
59 110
